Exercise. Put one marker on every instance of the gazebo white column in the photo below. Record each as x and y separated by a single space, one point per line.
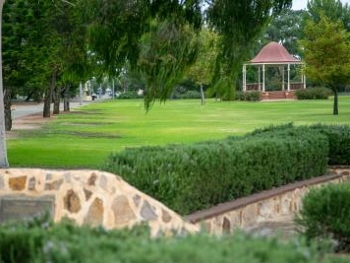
283 78
259 78
288 85
303 76
263 76
244 77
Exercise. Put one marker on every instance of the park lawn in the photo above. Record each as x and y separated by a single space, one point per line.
85 137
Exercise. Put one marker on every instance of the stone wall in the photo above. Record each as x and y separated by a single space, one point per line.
100 198
245 213
89 197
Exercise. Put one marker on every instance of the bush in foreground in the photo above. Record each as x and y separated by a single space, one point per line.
325 214
43 241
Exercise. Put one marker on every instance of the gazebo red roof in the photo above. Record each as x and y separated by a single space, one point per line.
274 53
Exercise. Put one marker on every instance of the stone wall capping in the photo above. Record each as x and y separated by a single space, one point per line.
245 201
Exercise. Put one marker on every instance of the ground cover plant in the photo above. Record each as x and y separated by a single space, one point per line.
85 138
40 241
325 215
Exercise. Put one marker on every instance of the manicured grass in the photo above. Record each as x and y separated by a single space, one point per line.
83 139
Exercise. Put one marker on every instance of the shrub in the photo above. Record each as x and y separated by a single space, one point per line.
191 177
313 94
248 96
129 95
65 242
325 213
338 137
190 94
339 142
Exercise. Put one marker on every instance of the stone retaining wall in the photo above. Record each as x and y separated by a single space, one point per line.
90 197
100 198
247 212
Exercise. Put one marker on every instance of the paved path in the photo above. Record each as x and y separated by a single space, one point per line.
20 110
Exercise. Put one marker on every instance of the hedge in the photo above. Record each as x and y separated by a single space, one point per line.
188 178
313 94
325 214
42 241
338 137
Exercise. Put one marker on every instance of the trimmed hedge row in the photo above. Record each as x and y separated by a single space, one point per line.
338 137
313 94
188 178
42 241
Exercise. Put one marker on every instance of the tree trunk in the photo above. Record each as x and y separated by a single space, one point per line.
48 95
66 99
56 101
335 103
202 95
8 111
3 149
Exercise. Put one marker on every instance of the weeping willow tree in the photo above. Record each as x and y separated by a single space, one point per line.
166 52
238 24
158 37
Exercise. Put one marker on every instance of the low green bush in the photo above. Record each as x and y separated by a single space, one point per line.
338 137
65 242
188 178
190 94
313 94
129 95
248 96
325 213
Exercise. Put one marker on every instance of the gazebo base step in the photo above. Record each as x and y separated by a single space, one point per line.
277 95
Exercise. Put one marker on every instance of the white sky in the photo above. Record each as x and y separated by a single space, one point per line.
301 4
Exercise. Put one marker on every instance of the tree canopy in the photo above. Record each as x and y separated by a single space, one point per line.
327 54
118 28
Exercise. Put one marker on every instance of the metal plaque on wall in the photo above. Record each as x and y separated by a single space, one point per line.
14 207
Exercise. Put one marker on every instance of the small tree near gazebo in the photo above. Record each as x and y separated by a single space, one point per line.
327 54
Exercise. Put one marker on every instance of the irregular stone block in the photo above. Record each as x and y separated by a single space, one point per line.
2 183
226 225
72 202
94 216
92 179
249 215
103 182
18 183
31 184
55 185
166 217
88 194
122 211
147 212
48 177
137 200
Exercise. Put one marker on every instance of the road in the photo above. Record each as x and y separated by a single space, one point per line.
24 109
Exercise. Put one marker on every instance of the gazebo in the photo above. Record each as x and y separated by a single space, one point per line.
274 55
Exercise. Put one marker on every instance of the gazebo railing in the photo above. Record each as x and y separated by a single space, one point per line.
253 86
258 86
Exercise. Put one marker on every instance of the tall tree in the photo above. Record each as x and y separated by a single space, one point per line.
327 54
201 71
285 28
239 24
333 9
3 149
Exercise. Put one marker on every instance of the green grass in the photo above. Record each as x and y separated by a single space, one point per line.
83 139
